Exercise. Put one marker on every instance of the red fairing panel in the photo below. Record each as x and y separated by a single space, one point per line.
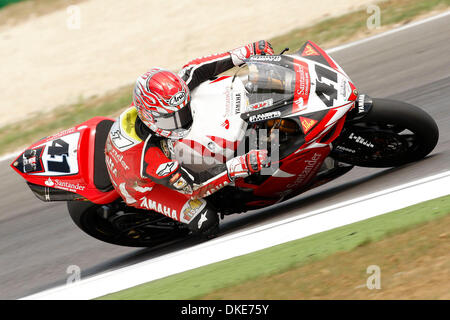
65 161
302 86
313 52
295 172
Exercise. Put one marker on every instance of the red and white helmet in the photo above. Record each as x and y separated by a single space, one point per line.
162 100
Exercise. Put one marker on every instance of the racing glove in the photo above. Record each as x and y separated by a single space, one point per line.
261 47
247 164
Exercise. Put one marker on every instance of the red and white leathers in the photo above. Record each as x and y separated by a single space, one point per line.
141 164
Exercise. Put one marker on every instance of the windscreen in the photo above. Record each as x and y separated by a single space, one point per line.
266 84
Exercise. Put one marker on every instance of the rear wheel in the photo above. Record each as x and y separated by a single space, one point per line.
125 226
393 133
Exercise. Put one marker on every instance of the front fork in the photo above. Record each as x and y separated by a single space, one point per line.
363 105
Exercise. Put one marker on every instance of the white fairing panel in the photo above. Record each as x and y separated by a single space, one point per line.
341 85
60 157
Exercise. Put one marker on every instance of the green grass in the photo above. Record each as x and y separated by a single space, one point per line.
41 125
199 282
328 32
4 3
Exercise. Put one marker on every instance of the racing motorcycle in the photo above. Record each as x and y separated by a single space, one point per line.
302 107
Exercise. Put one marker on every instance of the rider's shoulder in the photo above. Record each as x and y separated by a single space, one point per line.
123 130
185 72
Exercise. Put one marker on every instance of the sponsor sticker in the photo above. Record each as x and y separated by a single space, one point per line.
60 156
167 168
192 208
302 86
311 164
177 99
64 185
299 104
228 96
60 134
361 140
181 184
309 51
226 124
158 207
361 108
343 88
344 149
203 218
118 157
110 165
118 139
265 116
261 105
265 58
307 124
237 103
165 148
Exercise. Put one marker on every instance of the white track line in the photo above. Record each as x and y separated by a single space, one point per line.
254 239
10 156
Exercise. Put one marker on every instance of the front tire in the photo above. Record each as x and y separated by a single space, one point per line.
393 133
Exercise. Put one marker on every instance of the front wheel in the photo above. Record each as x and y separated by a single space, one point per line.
393 133
121 225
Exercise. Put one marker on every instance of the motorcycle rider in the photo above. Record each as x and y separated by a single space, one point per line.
139 149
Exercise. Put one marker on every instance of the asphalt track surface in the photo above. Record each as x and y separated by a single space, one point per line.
39 241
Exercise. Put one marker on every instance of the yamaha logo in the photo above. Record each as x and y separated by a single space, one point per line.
178 98
361 107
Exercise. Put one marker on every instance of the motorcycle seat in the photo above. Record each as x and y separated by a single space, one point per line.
101 176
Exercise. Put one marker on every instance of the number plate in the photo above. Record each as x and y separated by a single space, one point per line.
60 156
326 91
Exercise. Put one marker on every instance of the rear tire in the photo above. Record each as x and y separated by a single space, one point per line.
393 133
150 228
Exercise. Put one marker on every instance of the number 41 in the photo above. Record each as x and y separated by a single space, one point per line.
326 92
59 148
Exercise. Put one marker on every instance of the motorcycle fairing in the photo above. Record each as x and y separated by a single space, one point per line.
321 100
313 95
313 52
317 88
294 173
71 161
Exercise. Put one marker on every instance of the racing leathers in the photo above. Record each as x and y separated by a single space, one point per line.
143 167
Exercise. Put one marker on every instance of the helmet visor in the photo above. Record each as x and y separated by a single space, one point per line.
181 119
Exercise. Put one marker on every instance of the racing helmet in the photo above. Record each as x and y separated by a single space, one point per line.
162 100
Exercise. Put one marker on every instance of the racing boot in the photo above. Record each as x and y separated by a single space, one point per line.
206 223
